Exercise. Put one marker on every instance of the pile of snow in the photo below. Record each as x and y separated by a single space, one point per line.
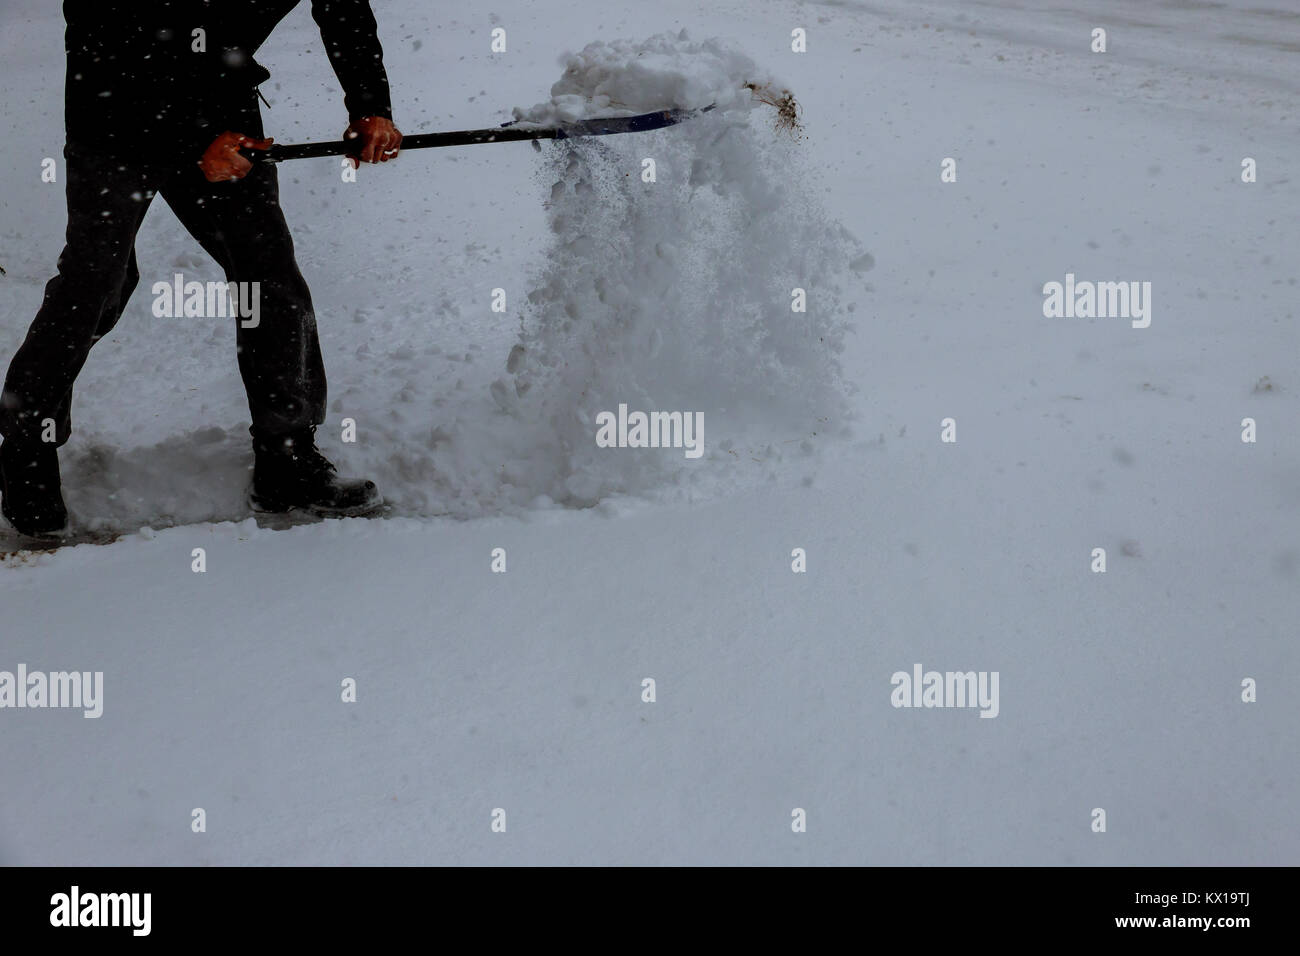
678 293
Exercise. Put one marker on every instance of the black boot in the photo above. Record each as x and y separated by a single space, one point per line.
289 472
31 494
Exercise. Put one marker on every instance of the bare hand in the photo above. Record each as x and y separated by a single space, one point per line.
222 162
380 140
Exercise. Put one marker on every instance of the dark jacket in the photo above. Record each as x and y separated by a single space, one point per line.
136 87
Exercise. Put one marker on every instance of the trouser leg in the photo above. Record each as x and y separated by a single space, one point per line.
242 227
107 200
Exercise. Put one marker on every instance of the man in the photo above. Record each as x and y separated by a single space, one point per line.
161 97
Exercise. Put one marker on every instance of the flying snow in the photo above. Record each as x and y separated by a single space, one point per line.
690 269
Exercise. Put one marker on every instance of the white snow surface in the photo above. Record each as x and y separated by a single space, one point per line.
522 691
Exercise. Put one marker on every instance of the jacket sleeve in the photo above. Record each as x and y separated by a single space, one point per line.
352 41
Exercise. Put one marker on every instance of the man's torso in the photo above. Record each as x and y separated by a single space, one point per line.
144 70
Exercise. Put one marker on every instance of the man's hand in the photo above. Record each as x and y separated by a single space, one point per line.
222 162
380 140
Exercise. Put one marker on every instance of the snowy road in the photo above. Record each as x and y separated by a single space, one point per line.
523 690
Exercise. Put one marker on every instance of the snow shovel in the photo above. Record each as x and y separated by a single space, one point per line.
505 133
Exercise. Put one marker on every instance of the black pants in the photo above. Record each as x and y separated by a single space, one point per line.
238 223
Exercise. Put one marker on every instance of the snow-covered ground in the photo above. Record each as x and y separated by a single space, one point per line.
523 691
